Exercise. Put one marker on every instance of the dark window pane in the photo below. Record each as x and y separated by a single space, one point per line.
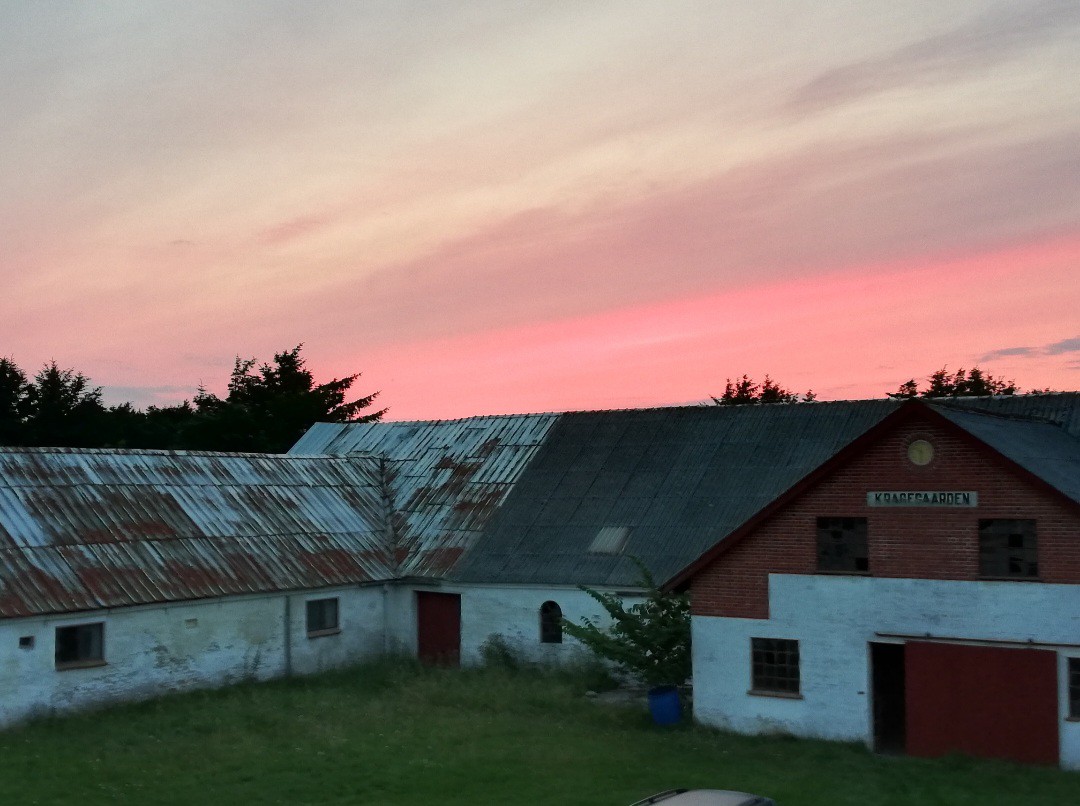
1007 548
1074 688
842 545
550 623
775 665
82 643
322 615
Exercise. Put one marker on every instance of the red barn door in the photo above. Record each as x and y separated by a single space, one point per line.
985 701
438 628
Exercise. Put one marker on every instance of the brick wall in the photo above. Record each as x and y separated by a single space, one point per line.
928 543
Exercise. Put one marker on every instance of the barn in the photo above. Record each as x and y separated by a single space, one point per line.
536 506
899 573
124 574
916 591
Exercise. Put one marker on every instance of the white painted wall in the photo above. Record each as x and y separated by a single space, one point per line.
187 645
513 612
176 647
361 617
401 618
834 618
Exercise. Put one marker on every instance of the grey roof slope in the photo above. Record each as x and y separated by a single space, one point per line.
86 529
1060 408
447 477
680 479
1044 449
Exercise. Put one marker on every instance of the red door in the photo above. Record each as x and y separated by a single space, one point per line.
438 628
985 701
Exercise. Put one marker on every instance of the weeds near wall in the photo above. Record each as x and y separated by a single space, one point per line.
496 653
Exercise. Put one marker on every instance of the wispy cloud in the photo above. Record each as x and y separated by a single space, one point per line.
294 228
761 221
990 38
1057 348
1064 346
1008 351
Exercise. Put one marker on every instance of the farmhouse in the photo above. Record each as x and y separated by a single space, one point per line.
450 481
127 573
852 565
551 502
917 591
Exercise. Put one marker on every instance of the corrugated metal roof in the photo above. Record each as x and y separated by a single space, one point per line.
680 479
1041 448
490 499
447 477
85 529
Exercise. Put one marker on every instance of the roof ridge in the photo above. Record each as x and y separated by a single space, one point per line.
164 452
671 407
1039 419
14 548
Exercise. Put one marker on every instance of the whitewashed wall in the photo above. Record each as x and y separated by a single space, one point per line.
401 618
513 612
835 618
154 649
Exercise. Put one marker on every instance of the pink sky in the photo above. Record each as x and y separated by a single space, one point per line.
490 208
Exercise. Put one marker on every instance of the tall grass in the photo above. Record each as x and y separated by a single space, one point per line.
397 733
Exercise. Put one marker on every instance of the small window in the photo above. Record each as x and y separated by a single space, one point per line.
550 623
322 617
26 642
841 545
1074 688
775 665
80 645
1007 549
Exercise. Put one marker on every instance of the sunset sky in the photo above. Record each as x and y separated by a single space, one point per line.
498 206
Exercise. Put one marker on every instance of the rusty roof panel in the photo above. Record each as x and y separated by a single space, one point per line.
447 476
86 529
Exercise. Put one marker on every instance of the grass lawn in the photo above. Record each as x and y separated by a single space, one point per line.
394 733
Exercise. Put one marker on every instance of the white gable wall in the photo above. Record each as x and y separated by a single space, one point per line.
835 618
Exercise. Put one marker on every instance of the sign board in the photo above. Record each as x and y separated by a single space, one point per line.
922 498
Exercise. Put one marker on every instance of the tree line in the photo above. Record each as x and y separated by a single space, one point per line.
975 382
267 408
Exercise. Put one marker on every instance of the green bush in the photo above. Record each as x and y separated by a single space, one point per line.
650 641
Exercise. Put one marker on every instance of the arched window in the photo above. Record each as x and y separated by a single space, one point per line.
550 623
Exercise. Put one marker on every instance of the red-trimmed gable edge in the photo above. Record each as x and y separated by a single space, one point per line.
910 410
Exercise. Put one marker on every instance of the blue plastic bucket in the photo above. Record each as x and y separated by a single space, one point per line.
664 705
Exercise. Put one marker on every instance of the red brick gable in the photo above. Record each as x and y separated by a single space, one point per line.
928 543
